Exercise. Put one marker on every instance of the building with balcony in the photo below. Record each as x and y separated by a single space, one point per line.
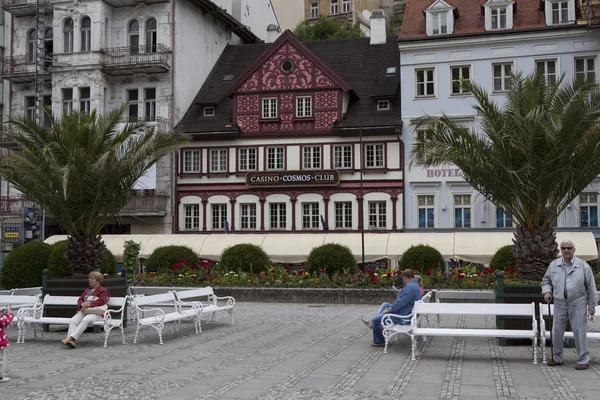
152 55
295 137
442 43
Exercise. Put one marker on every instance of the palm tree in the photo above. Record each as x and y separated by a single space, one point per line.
536 154
81 169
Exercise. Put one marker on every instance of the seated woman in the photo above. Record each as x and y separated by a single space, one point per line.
92 305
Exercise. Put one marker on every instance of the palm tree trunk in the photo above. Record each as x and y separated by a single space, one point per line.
534 250
85 254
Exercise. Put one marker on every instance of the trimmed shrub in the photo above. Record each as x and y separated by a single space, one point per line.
58 265
503 258
331 257
24 265
165 256
420 257
109 267
246 257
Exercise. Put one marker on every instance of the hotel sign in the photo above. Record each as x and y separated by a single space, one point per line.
443 172
325 177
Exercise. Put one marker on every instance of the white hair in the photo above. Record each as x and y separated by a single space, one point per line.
567 241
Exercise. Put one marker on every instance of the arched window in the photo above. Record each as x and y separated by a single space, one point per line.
68 35
86 34
31 45
151 37
134 37
48 47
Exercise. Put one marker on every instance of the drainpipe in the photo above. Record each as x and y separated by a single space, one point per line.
174 221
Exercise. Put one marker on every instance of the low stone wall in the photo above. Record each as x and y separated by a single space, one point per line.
308 295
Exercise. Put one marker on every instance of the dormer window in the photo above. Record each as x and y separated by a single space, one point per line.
208 111
559 11
440 18
383 105
498 15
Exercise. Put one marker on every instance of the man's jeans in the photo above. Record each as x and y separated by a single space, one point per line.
378 328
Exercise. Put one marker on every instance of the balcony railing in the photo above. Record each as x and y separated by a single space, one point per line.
24 7
14 205
131 59
160 123
148 203
20 69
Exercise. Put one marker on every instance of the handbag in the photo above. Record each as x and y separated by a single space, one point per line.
99 310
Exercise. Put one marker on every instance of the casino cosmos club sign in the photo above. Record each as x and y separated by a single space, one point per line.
326 177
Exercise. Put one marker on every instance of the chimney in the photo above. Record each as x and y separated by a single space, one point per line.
272 33
378 30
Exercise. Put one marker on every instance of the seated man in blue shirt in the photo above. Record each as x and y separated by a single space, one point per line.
402 306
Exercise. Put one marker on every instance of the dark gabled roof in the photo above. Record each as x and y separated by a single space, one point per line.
361 65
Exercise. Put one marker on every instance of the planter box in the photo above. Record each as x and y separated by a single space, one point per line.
74 287
308 295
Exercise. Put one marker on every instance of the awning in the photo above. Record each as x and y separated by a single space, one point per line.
293 248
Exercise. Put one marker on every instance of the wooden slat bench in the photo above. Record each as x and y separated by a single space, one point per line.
208 301
545 335
34 316
493 309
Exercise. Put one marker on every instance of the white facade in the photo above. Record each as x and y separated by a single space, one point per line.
253 13
439 197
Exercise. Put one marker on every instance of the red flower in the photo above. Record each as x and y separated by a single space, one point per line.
428 272
487 271
461 276
510 269
176 267
460 271
436 265
389 274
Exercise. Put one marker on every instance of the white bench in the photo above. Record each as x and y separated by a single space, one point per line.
17 302
28 316
494 309
545 335
157 318
392 329
209 302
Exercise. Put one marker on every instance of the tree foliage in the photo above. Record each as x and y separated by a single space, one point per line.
82 169
326 29
536 154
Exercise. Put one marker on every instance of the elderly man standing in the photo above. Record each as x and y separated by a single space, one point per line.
570 281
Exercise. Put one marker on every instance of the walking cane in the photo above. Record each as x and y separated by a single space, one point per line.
550 326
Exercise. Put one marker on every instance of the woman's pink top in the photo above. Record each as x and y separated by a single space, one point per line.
5 320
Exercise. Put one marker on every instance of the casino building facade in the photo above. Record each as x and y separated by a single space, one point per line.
282 133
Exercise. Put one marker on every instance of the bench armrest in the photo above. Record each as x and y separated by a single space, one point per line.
194 305
159 314
388 322
30 312
230 300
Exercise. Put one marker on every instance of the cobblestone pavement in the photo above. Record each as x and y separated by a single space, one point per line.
288 351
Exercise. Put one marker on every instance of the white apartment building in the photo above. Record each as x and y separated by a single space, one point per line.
442 42
152 55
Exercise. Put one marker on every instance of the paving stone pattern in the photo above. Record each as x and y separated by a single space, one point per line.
288 351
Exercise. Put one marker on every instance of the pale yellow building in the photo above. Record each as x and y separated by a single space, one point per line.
289 13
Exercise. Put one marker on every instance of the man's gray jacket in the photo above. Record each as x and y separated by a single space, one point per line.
581 286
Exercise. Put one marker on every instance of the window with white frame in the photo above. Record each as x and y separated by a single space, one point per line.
314 10
151 36
502 76
303 106
560 12
310 215
68 35
422 154
269 108
460 74
588 209
377 215
218 160
426 211
462 210
345 6
425 83
248 216
383 105
342 156
343 214
134 37
86 34
503 218
585 68
219 216
191 217
247 159
30 107
311 157
375 155
150 104
278 215
275 158
548 69
84 100
498 17
439 22
132 104
31 46
67 100
191 161
334 7
208 111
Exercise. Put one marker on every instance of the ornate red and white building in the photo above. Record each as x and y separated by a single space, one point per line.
276 139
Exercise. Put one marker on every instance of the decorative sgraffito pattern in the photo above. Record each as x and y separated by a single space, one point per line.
251 84
325 119
248 123
304 125
287 102
326 99
322 80
270 126
286 122
300 77
248 104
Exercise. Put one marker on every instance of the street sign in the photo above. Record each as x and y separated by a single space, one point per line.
12 235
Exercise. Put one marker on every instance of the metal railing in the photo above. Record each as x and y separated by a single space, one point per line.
23 64
17 3
136 55
146 202
162 124
14 204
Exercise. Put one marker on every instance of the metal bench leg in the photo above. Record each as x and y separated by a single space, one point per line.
230 315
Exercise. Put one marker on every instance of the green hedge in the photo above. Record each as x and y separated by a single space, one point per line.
165 256
24 265
246 257
331 257
421 256
58 265
503 258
